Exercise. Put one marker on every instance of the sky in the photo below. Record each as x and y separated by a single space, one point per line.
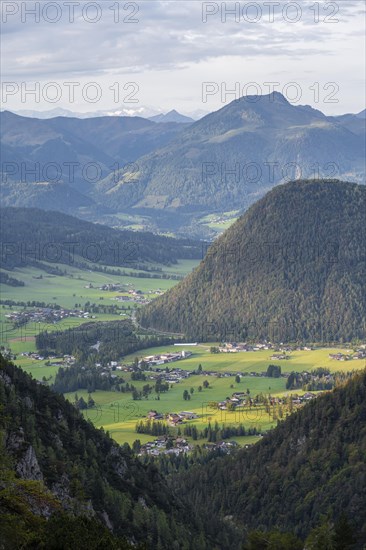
147 56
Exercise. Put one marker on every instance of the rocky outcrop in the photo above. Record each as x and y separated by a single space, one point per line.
27 467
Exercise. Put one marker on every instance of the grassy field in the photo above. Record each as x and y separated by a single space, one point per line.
69 290
254 361
118 413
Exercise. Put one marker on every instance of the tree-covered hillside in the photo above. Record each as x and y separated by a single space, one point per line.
31 236
69 467
292 268
306 477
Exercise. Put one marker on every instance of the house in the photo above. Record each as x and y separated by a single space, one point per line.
307 396
174 419
187 415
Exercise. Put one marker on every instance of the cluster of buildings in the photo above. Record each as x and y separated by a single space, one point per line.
234 347
179 445
45 315
162 359
279 357
358 354
240 399
64 361
173 419
165 445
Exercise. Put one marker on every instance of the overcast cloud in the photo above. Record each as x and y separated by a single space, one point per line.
168 51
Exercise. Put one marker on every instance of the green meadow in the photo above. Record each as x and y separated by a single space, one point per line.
118 413
254 361
71 289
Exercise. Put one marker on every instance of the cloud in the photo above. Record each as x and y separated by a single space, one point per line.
155 36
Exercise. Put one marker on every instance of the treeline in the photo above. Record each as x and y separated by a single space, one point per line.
32 237
75 377
100 342
318 379
152 427
214 433
30 303
143 274
5 279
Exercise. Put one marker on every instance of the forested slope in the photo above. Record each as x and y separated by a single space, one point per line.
291 268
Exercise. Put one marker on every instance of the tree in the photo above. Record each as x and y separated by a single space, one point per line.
343 534
186 395
199 388
274 371
136 446
91 402
81 404
191 390
199 368
206 383
237 379
321 538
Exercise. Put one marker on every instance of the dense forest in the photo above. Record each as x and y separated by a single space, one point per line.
292 268
306 474
30 236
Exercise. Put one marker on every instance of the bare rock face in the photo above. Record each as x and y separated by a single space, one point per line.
118 461
28 467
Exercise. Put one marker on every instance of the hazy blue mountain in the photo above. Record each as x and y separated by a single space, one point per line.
171 116
354 122
29 144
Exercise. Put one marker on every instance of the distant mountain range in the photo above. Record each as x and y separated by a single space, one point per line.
292 268
141 111
221 163
57 161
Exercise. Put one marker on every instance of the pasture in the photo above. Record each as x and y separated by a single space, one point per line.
118 413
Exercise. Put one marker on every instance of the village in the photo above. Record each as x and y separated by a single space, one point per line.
177 445
47 315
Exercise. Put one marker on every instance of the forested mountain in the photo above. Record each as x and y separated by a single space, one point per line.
30 236
308 475
231 157
293 267
56 466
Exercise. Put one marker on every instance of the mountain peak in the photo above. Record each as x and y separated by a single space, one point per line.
171 116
